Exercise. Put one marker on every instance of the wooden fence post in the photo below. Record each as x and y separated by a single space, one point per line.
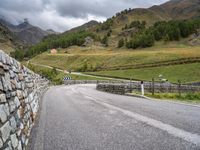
131 86
179 88
153 86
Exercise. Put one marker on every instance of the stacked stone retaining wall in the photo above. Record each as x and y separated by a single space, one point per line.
148 87
20 92
113 88
70 82
164 87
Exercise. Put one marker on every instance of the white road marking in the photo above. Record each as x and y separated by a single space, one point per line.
176 132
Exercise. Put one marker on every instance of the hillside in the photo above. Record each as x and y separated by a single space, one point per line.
110 62
27 33
172 10
165 36
85 26
179 9
128 28
133 36
8 40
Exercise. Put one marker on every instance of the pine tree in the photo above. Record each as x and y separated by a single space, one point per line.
121 43
105 40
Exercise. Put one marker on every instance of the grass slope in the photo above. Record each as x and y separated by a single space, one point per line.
186 73
74 58
57 78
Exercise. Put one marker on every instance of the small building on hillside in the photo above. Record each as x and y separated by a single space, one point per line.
53 51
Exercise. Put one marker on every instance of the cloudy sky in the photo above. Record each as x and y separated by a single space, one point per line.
61 15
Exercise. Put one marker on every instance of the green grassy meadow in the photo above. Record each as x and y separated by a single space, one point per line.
75 58
57 76
90 59
186 73
185 97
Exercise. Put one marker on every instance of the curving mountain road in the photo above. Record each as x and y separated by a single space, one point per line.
77 117
77 73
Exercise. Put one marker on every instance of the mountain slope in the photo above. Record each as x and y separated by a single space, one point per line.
30 34
171 10
176 42
136 28
85 26
174 9
26 32
179 9
8 41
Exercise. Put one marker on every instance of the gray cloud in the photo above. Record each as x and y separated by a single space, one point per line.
104 8
61 15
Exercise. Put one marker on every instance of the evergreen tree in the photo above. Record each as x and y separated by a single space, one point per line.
105 40
121 43
166 38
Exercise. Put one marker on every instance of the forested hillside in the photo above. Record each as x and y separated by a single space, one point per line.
131 29
54 41
165 38
144 36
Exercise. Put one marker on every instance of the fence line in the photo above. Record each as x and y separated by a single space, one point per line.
121 87
149 87
69 82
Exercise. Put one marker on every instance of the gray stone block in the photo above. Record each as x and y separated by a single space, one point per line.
2 57
19 94
6 109
12 106
5 67
2 98
19 146
10 145
8 61
1 85
13 124
3 115
16 101
2 71
1 143
14 140
13 94
12 75
5 131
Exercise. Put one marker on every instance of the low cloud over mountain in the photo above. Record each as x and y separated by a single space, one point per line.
62 15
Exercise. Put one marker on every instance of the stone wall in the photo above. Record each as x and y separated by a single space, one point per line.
113 88
20 92
69 82
164 87
123 88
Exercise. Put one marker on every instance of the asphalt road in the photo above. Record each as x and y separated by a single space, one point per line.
78 117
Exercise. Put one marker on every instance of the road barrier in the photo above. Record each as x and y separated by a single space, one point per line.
122 87
149 87
70 82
